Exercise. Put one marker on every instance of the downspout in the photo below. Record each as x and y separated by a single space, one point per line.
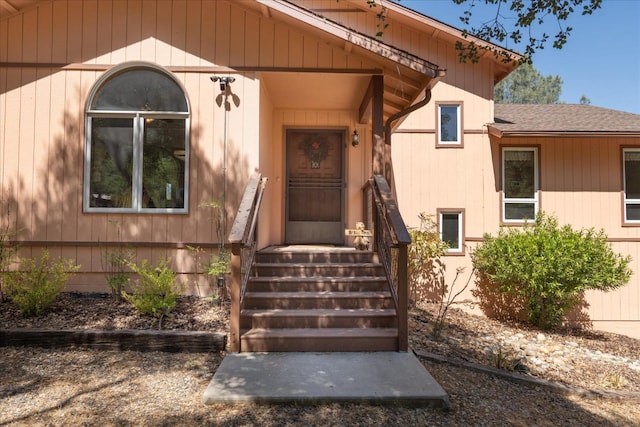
387 167
400 114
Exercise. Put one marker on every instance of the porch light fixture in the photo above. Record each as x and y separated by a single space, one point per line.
355 138
224 81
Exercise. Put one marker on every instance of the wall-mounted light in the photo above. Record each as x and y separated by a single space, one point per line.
355 138
224 81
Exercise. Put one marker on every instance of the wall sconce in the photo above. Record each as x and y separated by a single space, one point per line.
224 81
355 138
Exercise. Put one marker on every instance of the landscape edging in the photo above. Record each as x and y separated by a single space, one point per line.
518 378
173 341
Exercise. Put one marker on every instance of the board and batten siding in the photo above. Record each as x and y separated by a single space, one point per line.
53 55
580 183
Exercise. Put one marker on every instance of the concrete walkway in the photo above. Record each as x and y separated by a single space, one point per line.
387 378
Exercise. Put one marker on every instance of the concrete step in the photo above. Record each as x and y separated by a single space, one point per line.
318 318
328 300
380 378
317 284
325 340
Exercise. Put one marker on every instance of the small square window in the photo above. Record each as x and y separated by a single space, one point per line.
449 126
451 228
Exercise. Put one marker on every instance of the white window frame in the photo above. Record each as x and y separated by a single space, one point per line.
138 118
460 214
627 201
535 200
458 142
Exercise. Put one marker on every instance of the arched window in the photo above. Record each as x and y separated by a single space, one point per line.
137 142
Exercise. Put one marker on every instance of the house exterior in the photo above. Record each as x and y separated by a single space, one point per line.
121 121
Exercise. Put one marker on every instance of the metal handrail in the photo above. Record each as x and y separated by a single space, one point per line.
243 248
391 239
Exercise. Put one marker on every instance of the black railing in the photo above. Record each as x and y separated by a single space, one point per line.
391 241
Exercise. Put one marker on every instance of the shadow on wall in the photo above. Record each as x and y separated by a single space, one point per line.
43 203
429 283
500 306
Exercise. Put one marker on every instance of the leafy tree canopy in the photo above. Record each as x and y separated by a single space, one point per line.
520 21
526 85
526 19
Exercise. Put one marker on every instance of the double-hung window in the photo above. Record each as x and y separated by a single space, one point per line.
519 184
631 185
449 122
451 228
137 143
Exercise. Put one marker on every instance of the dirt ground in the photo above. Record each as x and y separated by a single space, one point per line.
80 387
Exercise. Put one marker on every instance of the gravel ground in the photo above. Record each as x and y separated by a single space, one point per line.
80 387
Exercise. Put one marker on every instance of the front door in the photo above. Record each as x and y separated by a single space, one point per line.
315 186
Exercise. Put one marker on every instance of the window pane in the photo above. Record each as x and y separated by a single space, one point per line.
140 90
632 174
163 163
450 224
519 174
111 163
633 212
519 211
449 123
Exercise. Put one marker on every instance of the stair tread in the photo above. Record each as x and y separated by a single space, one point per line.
349 312
319 294
321 332
317 264
317 278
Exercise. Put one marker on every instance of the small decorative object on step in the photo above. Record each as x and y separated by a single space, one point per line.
361 237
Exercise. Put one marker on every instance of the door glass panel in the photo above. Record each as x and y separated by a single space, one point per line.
315 186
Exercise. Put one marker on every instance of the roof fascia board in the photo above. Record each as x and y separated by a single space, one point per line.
557 134
448 29
352 37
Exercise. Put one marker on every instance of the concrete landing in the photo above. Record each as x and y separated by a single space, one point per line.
386 378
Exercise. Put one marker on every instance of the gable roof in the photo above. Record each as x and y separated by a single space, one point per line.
445 31
562 120
401 68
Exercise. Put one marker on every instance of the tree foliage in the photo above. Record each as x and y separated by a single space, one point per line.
526 85
527 18
424 266
547 267
519 21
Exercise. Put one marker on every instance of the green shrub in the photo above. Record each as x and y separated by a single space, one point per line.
425 269
115 261
37 283
8 250
547 268
154 293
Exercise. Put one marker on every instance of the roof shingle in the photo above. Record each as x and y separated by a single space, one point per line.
562 118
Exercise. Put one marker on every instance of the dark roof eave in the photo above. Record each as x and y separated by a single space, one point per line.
355 38
499 133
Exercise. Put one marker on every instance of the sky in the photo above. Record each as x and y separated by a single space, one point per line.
601 59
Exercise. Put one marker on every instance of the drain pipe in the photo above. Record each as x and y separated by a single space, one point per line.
400 114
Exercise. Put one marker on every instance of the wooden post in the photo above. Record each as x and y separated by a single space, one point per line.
403 298
234 297
377 119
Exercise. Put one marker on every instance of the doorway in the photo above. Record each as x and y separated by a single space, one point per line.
315 186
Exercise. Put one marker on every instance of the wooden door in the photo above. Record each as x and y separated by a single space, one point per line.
315 186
